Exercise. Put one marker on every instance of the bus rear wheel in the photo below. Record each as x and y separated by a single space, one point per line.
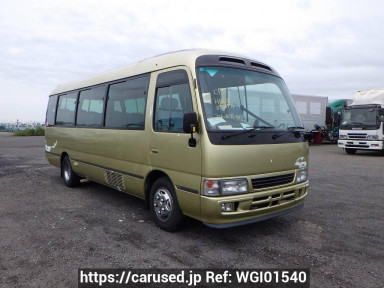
164 206
71 179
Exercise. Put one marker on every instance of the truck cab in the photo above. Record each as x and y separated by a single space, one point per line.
335 111
361 125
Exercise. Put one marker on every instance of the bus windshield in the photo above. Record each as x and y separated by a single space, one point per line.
236 99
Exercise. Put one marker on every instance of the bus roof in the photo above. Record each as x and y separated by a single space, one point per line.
173 59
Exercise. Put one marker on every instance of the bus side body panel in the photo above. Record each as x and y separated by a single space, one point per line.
170 153
117 158
51 153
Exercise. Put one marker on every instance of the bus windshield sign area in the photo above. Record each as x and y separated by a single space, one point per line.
236 99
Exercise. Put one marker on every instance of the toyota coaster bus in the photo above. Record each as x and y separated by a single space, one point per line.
210 135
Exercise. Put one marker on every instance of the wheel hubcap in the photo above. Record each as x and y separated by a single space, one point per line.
163 204
67 174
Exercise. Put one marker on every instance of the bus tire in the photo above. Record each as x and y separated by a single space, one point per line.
71 179
164 206
350 151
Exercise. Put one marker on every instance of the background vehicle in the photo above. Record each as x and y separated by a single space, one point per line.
335 109
206 134
312 110
362 122
320 117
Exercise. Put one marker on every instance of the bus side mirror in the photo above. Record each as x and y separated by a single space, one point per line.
190 126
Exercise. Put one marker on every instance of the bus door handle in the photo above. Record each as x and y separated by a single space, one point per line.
154 151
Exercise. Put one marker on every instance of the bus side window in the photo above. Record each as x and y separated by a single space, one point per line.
66 109
126 104
91 106
51 111
173 99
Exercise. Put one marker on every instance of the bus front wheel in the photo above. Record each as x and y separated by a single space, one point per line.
164 207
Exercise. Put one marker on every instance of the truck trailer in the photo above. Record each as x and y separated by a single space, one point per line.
320 117
312 110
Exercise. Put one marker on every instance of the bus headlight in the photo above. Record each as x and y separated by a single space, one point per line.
302 176
225 187
343 137
230 187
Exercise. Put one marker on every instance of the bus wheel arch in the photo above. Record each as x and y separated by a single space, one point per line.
151 178
161 199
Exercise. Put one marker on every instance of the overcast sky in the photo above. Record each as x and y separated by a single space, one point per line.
327 48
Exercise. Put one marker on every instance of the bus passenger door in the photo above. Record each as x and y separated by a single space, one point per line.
169 150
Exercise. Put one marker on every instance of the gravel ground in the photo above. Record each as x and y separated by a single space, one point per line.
48 231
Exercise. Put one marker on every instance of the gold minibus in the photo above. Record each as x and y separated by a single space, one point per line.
206 134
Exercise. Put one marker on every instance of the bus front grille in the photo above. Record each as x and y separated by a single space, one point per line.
261 202
259 183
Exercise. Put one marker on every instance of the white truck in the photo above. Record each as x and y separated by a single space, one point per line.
362 122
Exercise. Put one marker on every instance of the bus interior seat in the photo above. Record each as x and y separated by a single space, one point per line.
134 119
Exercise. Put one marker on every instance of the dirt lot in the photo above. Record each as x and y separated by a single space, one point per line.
48 231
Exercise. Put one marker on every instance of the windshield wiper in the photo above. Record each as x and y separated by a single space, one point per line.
255 116
290 129
247 130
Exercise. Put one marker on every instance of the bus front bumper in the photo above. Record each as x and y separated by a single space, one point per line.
252 207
